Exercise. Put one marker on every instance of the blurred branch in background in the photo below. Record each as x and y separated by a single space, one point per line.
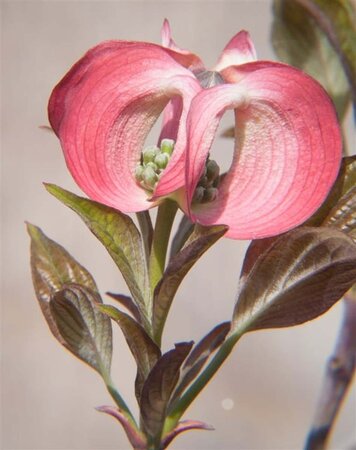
338 377
319 37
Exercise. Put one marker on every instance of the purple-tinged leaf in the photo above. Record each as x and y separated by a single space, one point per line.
143 349
298 278
136 438
120 236
197 244
185 229
254 251
338 210
185 425
85 330
343 213
199 355
159 386
53 267
127 302
145 223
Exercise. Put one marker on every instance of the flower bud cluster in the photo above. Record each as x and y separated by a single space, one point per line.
207 188
153 161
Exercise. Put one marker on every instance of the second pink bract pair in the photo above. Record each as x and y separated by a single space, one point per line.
287 140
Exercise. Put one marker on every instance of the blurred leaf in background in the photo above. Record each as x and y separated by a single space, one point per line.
319 37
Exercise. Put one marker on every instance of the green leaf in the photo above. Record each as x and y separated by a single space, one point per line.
85 330
199 356
143 349
159 386
52 268
299 39
118 233
198 243
298 278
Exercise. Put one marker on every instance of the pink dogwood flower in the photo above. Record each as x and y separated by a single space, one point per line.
287 140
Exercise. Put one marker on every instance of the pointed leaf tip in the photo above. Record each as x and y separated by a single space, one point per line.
185 425
136 438
52 268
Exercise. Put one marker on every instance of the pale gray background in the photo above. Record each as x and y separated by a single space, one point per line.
48 396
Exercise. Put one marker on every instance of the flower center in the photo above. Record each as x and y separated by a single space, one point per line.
207 187
209 78
153 162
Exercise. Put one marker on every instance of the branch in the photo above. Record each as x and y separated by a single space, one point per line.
338 376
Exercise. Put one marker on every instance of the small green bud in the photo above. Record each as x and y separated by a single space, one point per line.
149 153
204 182
138 172
198 194
161 160
167 146
153 165
212 170
149 177
210 194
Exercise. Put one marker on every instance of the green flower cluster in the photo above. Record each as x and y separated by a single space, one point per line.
207 188
153 161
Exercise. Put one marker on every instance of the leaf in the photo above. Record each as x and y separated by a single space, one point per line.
298 40
199 355
84 329
198 243
145 223
53 267
118 233
143 349
159 386
185 425
184 230
127 302
299 277
343 214
136 438
334 195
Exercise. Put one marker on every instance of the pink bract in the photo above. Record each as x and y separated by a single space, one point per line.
287 147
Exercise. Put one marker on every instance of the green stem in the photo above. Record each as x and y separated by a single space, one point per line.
120 402
179 407
165 217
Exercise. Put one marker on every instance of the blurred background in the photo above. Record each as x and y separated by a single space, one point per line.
265 395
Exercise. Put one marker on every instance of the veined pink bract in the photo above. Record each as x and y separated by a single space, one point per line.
287 139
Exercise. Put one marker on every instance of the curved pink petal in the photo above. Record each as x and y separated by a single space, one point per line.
184 57
103 110
239 50
287 152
